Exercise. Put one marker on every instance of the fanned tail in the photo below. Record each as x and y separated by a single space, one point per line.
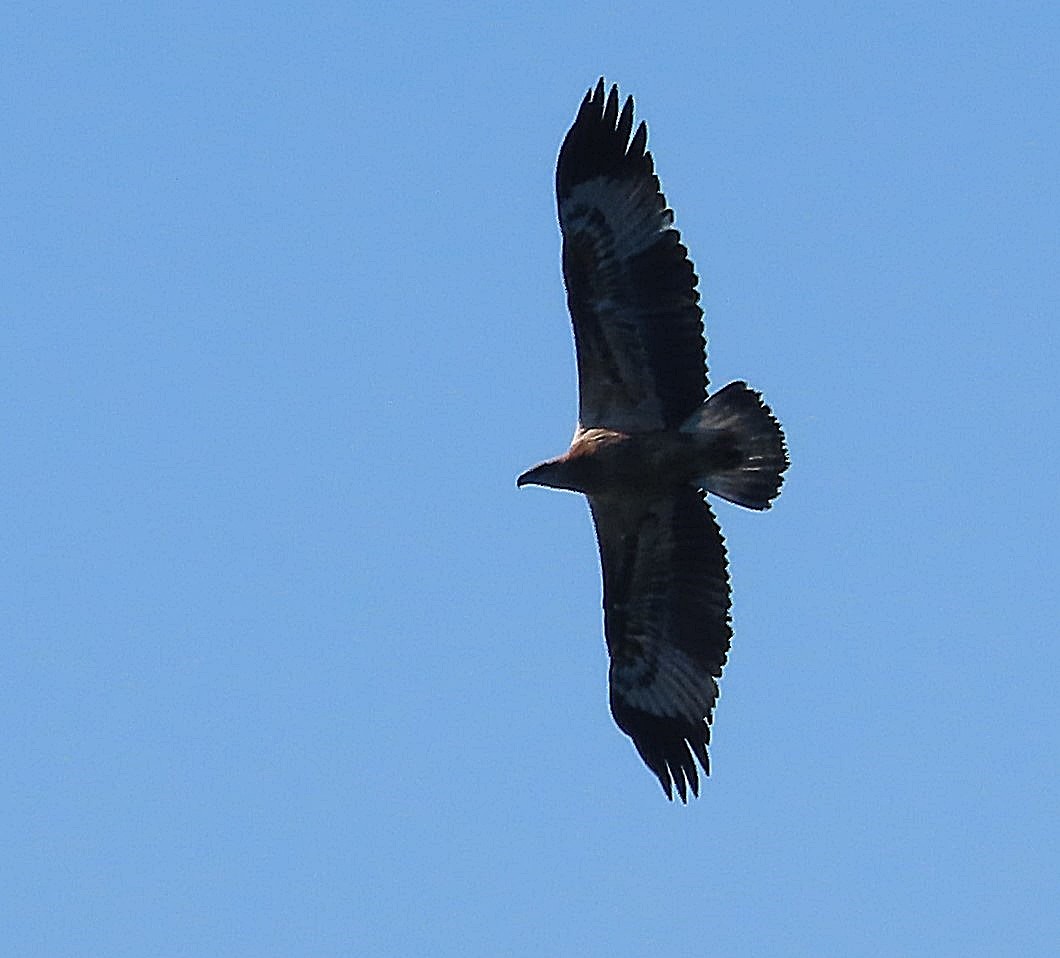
737 420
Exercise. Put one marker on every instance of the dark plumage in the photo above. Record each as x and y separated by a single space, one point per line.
649 443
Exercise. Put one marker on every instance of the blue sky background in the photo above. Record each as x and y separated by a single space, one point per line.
289 666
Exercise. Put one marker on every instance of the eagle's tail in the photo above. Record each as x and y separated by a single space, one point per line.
745 451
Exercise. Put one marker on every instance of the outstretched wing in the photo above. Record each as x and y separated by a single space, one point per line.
666 620
631 288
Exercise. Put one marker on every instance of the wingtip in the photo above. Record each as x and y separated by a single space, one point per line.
602 94
683 789
670 753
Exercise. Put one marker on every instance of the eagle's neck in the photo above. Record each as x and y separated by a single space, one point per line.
585 467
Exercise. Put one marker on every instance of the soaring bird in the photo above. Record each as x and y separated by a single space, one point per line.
650 443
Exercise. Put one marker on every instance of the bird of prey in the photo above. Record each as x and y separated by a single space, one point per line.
650 443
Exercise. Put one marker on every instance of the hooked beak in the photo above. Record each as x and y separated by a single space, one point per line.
534 477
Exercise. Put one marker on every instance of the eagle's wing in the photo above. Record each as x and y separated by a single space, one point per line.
666 619
631 289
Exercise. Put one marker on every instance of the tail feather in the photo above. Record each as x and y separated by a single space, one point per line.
737 420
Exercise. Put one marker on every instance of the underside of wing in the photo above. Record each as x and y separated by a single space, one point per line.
666 619
631 288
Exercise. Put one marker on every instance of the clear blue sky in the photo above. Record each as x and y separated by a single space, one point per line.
289 667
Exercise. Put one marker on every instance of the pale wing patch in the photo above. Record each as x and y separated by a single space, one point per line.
660 679
629 209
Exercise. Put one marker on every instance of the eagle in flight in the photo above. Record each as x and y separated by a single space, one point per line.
650 443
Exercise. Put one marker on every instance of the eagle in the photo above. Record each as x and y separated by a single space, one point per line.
650 443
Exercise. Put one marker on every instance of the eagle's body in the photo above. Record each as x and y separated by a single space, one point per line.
650 442
606 463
